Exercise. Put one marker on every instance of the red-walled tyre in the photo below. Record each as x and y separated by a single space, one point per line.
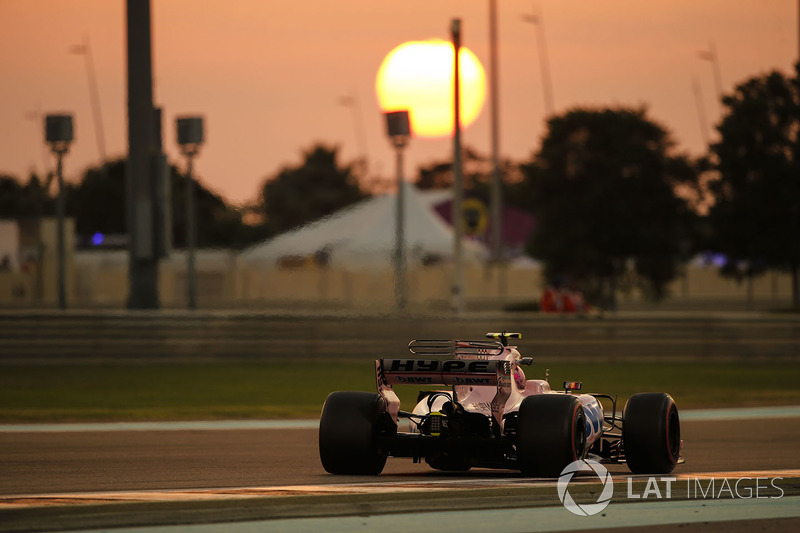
651 433
551 433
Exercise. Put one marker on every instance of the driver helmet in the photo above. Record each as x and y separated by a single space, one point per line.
519 377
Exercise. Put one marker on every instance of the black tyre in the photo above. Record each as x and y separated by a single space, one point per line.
651 433
347 427
551 433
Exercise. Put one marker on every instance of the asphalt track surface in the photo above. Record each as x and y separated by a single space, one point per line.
47 474
52 463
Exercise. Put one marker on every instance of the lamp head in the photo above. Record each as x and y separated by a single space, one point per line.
59 132
398 127
190 134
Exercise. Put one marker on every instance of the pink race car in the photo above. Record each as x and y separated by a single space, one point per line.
492 416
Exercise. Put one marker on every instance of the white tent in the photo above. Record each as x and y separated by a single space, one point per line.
362 236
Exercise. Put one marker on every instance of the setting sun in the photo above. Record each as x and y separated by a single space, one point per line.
418 76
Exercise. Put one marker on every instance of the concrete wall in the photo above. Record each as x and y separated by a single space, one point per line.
33 280
99 279
223 280
427 286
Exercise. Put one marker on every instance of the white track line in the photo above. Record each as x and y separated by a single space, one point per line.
210 425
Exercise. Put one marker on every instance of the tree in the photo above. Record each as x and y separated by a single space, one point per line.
28 200
10 197
304 193
756 217
477 172
439 174
98 202
602 189
98 205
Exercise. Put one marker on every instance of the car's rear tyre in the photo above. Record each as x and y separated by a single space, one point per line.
551 433
347 433
651 433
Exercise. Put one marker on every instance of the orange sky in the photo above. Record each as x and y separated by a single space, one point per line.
269 76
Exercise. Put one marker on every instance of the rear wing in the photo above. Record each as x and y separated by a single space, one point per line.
455 348
435 372
390 372
464 349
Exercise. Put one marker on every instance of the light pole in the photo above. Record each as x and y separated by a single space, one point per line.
85 50
496 191
399 130
361 138
458 182
701 112
190 138
544 62
59 135
140 179
711 55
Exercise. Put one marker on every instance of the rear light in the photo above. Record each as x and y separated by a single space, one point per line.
438 423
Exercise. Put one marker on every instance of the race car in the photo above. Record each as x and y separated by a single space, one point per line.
492 416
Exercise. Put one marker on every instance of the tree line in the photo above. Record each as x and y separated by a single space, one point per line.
616 204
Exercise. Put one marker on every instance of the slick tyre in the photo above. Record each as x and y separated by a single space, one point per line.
651 433
551 433
347 434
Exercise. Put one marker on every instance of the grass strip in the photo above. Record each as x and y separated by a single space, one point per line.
297 389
